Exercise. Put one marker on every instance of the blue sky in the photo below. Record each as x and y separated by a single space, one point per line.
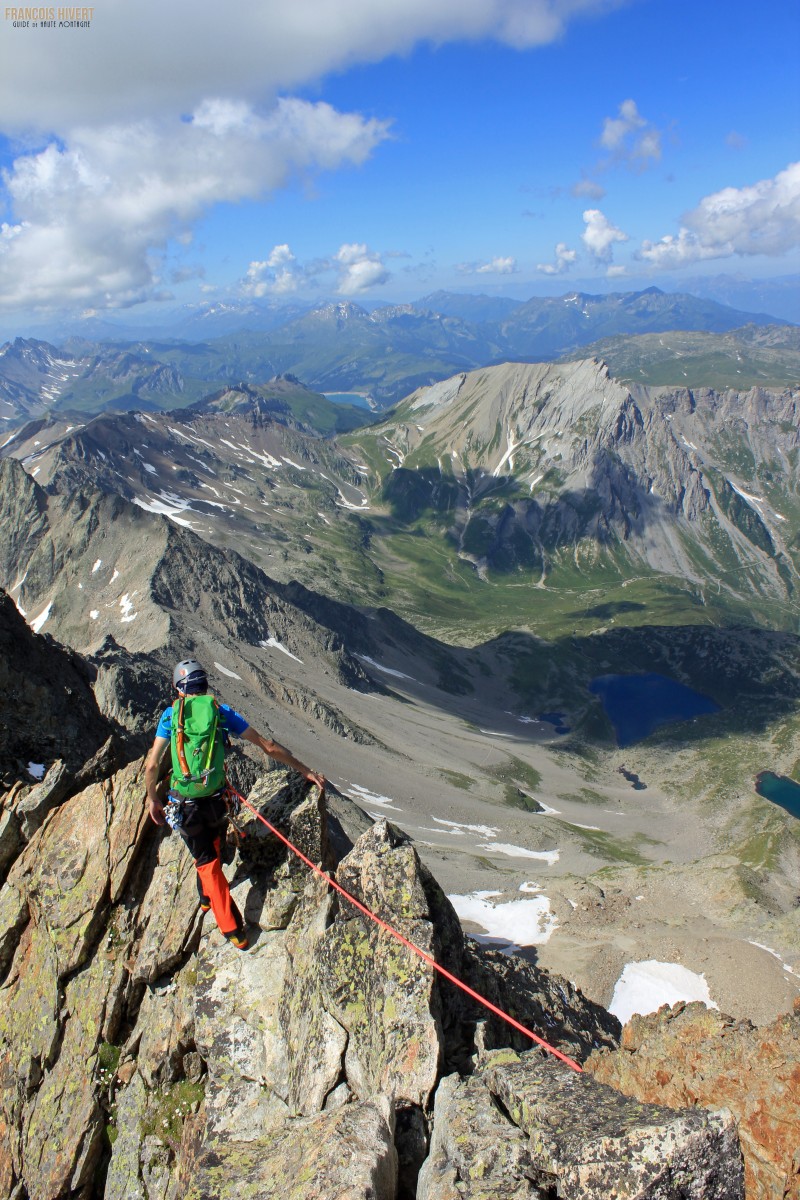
380 149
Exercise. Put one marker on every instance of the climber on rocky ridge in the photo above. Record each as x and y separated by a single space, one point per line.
196 728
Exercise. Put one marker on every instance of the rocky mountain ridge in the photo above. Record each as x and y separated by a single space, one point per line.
160 1064
768 356
384 708
36 377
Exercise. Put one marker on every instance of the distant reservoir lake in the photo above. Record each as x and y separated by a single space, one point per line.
780 790
347 398
637 704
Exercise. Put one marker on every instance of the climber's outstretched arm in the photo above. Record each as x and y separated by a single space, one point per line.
282 755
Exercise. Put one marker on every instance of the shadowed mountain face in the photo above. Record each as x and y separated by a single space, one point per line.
101 572
48 708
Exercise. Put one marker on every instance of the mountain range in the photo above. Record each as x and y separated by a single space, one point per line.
386 353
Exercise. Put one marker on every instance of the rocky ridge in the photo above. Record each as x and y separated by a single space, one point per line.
142 1057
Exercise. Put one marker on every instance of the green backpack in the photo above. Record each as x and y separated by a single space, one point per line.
198 749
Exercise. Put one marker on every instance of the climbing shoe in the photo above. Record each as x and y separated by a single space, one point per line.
239 940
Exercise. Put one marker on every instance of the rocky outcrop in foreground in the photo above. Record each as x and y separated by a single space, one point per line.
691 1055
142 1057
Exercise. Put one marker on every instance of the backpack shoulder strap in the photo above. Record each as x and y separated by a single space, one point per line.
213 738
178 731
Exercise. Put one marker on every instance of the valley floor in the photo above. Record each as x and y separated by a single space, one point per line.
605 876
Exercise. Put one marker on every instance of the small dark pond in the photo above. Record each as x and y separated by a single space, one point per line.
779 790
556 719
638 704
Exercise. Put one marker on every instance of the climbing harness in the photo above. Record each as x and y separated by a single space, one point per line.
387 928
173 812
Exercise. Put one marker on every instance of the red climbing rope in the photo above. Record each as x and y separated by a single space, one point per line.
498 1012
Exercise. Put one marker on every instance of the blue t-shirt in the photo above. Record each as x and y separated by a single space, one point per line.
230 722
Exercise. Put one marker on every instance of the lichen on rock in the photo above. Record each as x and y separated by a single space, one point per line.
328 1060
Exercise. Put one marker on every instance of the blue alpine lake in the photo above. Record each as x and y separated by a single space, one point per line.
638 704
347 398
780 790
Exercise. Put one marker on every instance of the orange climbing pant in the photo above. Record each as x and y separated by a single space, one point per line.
204 821
216 892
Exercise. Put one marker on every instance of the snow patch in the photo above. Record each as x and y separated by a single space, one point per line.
168 506
551 857
644 986
225 671
94 614
365 796
748 495
126 604
547 811
386 670
274 644
775 954
98 562
456 827
36 770
39 621
519 922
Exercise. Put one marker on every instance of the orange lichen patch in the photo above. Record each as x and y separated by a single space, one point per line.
692 1055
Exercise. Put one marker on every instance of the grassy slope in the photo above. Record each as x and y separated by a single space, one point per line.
687 359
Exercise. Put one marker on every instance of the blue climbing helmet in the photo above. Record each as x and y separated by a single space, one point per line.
189 677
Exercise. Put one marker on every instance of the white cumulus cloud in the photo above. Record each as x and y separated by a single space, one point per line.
762 218
278 274
630 138
95 213
147 57
563 261
359 269
497 266
351 270
600 235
